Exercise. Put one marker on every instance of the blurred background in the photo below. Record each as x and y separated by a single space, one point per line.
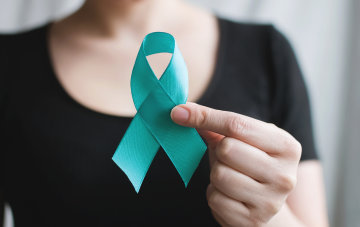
326 37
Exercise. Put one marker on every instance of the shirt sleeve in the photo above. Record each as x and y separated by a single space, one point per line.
290 101
2 104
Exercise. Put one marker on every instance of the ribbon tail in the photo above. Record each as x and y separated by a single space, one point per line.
183 145
136 151
185 150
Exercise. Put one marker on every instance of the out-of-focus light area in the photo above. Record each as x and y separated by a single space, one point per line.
326 37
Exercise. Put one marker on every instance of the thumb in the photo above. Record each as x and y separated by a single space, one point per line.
179 114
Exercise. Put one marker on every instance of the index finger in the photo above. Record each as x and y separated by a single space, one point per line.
264 136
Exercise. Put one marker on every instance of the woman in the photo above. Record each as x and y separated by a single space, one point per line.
66 103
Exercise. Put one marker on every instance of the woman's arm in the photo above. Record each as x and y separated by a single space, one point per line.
254 170
306 204
253 165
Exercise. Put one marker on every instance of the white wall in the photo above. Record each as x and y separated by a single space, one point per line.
326 38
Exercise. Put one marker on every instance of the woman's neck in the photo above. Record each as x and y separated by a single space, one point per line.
94 49
116 19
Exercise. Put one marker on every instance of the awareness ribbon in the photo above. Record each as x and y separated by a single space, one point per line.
152 125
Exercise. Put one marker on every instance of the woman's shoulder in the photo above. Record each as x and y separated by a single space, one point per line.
249 30
244 28
257 38
23 33
22 41
261 47
17 48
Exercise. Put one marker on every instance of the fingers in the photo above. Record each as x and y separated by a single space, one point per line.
219 219
211 137
246 159
201 117
234 184
227 211
255 167
262 135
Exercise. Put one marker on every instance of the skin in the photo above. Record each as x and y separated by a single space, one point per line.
253 170
93 51
256 178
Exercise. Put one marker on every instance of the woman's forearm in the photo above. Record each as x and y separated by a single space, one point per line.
285 218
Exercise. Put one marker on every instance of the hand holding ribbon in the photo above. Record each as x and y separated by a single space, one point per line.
253 164
152 126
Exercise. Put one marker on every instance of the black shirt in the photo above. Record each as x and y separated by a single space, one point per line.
56 167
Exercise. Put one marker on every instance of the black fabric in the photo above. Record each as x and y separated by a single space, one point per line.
56 167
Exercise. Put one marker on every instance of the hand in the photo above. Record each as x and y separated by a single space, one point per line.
253 164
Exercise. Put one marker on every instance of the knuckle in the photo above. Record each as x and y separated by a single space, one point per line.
272 125
223 150
253 221
231 221
286 182
214 199
297 150
270 209
292 147
259 214
217 174
201 117
236 125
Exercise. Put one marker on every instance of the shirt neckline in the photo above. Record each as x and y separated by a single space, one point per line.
214 81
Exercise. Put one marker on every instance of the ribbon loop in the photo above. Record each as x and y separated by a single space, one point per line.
152 126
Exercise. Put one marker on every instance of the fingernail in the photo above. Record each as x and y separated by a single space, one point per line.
180 114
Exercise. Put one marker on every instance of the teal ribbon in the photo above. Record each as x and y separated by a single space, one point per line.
152 126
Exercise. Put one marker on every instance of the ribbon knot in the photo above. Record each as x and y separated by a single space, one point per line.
152 125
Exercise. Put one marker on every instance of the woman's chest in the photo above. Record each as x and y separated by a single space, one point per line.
97 74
